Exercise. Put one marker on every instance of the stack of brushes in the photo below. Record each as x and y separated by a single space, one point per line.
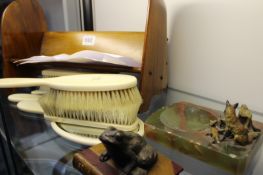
81 106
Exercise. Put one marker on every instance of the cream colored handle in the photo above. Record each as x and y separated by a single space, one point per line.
30 106
21 82
73 137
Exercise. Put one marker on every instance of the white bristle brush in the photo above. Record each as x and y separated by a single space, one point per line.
90 100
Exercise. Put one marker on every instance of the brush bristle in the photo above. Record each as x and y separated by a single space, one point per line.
114 107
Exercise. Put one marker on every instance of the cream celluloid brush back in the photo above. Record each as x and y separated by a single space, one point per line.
86 99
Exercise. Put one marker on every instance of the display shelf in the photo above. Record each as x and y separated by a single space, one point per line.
38 146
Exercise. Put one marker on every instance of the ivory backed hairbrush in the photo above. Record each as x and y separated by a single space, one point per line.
86 99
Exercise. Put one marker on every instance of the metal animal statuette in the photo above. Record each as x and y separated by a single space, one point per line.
129 151
239 128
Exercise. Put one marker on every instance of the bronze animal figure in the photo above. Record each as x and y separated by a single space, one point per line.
128 150
236 128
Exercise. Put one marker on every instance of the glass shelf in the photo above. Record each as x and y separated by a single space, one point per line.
38 146
34 142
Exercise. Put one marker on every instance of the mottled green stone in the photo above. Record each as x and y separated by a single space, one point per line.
184 127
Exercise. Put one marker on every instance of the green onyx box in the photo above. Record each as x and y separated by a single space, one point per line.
185 127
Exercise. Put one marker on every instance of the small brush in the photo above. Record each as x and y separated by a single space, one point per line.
85 135
79 134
